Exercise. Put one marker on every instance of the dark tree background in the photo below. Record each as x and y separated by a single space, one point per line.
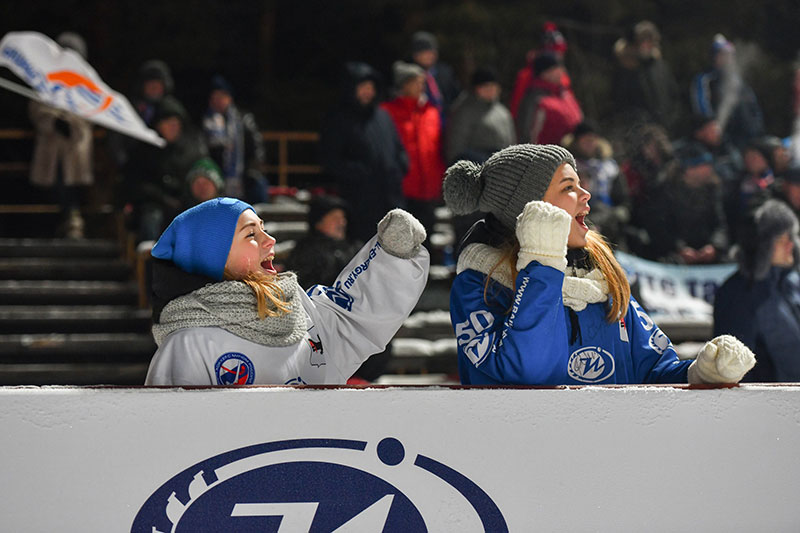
284 57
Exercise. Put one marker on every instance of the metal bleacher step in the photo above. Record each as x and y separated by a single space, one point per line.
73 319
41 348
75 248
119 374
68 292
49 268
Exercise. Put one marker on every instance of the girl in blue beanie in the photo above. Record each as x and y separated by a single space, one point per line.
222 315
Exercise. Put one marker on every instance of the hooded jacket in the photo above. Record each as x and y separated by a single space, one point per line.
362 152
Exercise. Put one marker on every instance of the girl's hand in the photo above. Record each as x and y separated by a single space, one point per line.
542 231
400 234
723 359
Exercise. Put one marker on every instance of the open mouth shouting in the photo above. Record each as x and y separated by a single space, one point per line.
266 264
580 218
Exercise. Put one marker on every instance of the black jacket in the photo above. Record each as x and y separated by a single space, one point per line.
362 152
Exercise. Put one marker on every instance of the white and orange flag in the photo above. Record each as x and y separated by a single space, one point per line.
61 78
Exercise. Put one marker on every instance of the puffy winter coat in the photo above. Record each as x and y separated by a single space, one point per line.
419 127
547 113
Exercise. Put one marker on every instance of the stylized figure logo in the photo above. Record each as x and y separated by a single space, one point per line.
89 91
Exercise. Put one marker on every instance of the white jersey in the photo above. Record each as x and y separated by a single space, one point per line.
346 323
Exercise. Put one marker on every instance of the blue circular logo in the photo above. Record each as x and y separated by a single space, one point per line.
234 368
318 485
590 365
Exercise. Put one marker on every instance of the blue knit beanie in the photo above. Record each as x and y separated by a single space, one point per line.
199 239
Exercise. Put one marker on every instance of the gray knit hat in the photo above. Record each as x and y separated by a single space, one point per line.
506 182
402 72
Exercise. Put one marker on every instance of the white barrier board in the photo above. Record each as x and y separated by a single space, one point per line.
400 459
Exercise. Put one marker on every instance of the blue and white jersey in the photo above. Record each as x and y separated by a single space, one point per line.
345 323
526 336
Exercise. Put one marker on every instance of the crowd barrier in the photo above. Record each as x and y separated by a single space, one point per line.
637 458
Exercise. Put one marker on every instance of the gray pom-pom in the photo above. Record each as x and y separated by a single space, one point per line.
462 187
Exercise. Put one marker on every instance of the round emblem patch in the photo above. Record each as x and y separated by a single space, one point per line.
234 368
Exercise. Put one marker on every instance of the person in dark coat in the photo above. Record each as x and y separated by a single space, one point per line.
644 87
760 302
235 143
321 255
154 184
441 85
686 222
361 151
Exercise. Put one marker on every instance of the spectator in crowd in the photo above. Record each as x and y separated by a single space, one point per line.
722 93
222 315
235 143
760 302
705 134
540 299
63 152
479 124
155 178
154 82
549 110
321 255
600 175
755 185
552 41
644 88
361 150
685 219
778 154
418 123
441 85
788 189
649 161
203 182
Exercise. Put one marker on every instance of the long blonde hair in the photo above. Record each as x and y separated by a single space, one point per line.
270 299
600 256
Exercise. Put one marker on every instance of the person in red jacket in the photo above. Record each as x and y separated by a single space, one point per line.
549 110
552 41
419 126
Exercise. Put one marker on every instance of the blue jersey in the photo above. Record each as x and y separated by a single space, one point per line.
528 337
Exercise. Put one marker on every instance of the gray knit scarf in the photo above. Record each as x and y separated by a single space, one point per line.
232 306
580 287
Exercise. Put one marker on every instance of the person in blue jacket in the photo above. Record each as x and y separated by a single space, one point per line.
539 298
760 302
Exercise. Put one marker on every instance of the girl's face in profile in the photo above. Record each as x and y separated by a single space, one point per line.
252 249
565 191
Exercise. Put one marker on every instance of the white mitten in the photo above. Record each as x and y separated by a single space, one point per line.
542 231
400 234
723 359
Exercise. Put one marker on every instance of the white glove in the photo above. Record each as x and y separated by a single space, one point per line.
400 234
723 359
542 231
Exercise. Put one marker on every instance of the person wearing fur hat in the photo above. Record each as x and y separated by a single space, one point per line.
760 302
222 315
539 298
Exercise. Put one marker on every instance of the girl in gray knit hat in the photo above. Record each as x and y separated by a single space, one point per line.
539 298
223 315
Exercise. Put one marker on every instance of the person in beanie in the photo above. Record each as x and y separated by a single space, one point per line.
361 151
760 302
235 143
441 85
419 126
222 315
325 250
539 298
552 41
549 110
479 125
203 182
